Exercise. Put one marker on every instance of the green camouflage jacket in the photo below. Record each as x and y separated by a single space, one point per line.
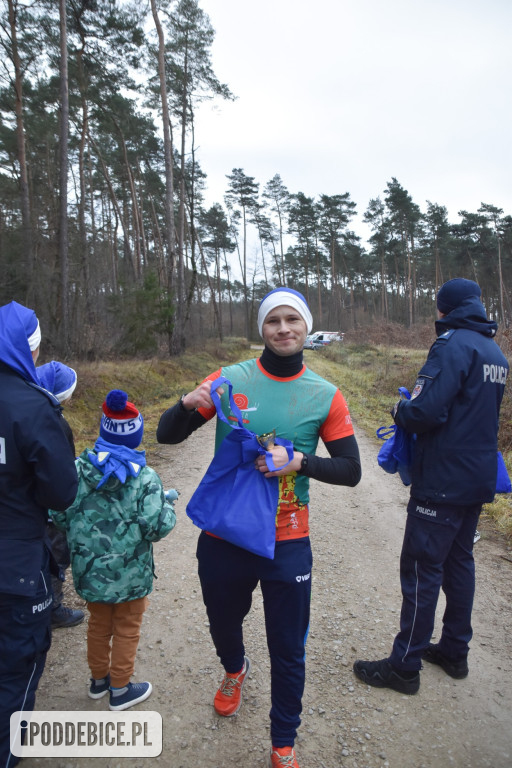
110 531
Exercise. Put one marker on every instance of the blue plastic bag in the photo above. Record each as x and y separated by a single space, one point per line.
503 484
234 500
397 452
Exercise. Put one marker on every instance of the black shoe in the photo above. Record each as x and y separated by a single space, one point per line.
66 617
381 674
456 669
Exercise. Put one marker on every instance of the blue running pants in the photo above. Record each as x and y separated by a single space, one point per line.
229 576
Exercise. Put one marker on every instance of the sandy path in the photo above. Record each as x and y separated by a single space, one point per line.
356 536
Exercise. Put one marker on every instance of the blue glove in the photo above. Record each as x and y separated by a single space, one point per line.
171 494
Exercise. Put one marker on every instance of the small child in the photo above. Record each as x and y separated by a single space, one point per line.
60 380
119 510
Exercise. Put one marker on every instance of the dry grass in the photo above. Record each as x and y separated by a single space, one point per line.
368 372
152 385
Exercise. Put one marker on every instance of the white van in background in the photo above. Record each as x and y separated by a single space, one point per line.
321 338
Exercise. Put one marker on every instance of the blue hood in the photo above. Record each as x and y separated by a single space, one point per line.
118 460
17 323
471 316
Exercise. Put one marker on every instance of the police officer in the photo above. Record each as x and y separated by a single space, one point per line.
454 411
37 472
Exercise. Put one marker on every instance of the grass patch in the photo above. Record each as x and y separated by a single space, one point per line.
152 385
368 375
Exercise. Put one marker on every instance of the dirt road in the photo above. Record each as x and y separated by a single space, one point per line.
356 536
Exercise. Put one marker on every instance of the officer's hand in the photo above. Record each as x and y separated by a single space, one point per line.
395 408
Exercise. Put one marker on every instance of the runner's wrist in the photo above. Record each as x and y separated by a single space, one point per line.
185 404
303 470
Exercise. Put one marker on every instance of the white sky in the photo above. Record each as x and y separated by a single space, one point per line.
342 95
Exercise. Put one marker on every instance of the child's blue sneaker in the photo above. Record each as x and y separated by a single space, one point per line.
134 694
98 689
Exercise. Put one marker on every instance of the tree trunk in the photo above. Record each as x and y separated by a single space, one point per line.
244 276
383 272
170 235
500 272
211 287
179 329
26 258
82 184
63 213
137 218
283 273
226 267
115 202
263 262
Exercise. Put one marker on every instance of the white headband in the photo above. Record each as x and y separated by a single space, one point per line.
35 339
62 396
282 297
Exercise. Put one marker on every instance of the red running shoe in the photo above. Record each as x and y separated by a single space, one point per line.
228 698
283 757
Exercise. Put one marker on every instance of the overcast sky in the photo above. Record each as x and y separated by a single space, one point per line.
340 96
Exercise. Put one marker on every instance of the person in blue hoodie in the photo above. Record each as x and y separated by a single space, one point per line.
454 412
60 380
37 472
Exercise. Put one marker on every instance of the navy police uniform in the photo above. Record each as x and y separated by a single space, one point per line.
37 472
454 411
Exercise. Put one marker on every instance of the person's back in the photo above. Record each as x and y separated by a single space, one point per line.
119 510
455 415
29 479
60 380
454 411
37 471
111 530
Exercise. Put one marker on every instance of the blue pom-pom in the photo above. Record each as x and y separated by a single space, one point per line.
116 400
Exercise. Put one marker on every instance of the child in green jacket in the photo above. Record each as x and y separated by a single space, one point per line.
119 510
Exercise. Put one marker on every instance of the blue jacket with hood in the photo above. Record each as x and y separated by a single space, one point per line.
37 467
454 410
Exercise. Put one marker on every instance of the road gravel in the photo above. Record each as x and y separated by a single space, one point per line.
356 535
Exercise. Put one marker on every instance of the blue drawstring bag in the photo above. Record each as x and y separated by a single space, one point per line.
397 452
234 500
503 484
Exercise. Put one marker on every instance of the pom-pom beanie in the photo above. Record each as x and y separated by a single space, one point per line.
121 423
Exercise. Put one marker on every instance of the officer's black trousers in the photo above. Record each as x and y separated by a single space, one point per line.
437 553
25 637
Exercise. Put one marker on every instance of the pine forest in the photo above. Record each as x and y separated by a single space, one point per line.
103 226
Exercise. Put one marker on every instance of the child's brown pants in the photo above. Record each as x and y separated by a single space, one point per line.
112 639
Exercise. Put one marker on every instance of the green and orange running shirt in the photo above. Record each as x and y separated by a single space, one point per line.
301 408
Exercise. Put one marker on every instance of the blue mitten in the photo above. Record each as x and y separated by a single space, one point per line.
171 494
